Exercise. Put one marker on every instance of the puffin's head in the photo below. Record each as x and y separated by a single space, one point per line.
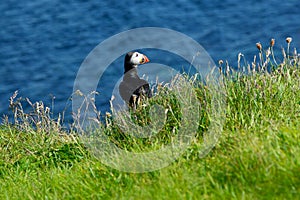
135 59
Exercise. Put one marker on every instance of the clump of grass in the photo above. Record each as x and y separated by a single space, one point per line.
152 124
260 96
35 140
38 119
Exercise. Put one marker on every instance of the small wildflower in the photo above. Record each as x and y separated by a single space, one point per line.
259 46
272 43
288 40
220 62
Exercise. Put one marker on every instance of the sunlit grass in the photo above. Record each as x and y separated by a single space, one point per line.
257 155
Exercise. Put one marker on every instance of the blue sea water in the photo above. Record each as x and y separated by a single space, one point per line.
43 43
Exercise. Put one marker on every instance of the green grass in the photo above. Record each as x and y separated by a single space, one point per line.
257 155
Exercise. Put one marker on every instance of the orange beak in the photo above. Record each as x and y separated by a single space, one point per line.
145 59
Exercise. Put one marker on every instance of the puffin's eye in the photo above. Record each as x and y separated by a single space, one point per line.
136 55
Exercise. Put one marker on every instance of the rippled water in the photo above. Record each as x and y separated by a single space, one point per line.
44 42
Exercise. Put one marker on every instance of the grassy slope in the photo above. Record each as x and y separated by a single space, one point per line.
257 156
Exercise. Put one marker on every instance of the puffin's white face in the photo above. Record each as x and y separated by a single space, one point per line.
138 58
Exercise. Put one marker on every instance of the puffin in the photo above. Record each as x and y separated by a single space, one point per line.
132 88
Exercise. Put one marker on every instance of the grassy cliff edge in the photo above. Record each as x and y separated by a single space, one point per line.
257 155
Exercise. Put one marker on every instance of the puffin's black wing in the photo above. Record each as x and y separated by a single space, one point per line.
126 91
143 89
138 87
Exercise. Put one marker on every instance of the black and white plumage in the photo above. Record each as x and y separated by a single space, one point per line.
133 88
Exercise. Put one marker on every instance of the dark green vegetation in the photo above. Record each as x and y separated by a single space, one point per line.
257 155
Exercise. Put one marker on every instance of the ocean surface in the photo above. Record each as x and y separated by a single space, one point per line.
43 43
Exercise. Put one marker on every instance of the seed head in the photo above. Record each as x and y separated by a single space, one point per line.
288 40
272 42
78 92
258 45
47 110
108 114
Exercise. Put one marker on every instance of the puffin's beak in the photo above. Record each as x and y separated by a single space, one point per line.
144 60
